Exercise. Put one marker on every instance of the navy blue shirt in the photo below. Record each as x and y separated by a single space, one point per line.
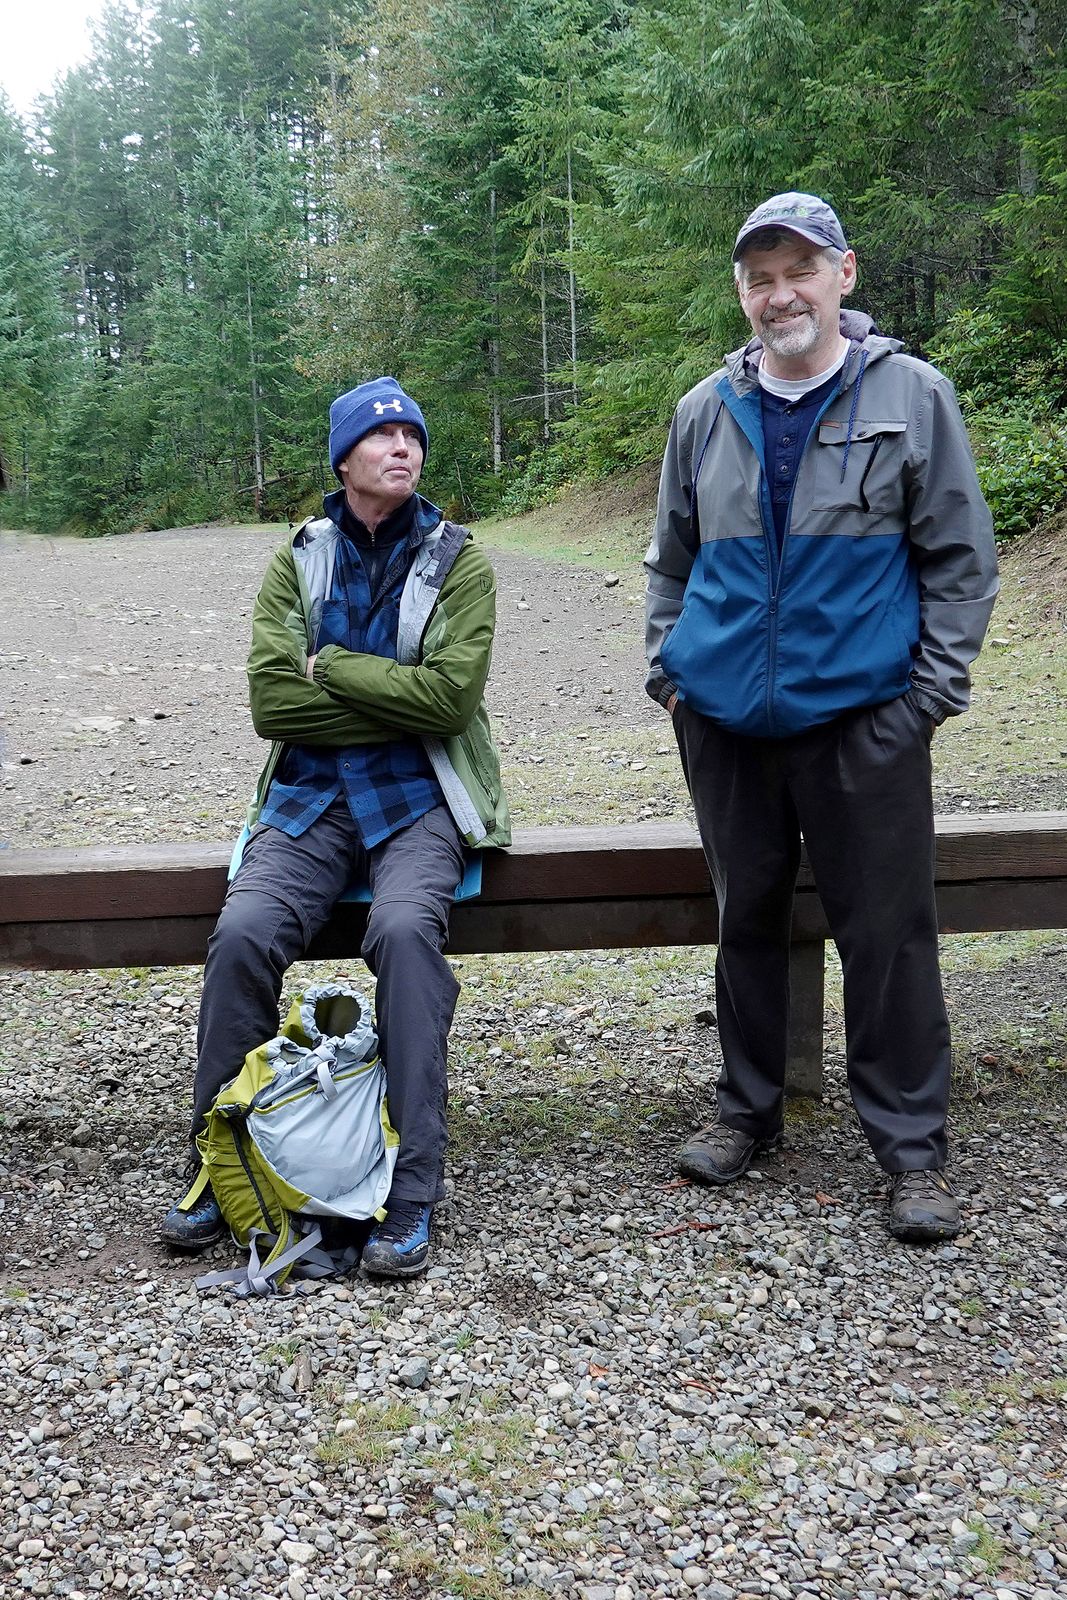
787 426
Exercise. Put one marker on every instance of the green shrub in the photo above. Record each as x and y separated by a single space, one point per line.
1011 382
1022 467
992 363
536 483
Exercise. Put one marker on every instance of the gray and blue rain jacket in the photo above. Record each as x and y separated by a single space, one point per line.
886 575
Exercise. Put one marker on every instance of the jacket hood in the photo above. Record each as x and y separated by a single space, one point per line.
856 326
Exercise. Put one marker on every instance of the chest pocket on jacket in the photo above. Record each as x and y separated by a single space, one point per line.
873 480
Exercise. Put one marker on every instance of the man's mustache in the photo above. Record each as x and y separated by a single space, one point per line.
788 311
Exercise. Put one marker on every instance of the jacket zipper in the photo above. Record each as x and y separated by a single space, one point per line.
776 568
774 574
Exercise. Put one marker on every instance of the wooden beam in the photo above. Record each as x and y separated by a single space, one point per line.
633 886
807 981
628 862
482 927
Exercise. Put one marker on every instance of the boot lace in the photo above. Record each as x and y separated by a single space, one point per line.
720 1140
919 1185
401 1222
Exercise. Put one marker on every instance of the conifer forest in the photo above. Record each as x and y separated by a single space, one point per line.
524 210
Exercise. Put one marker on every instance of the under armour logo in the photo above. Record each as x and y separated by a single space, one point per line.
393 405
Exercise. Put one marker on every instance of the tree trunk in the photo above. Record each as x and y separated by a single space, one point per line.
257 440
546 401
572 287
547 422
1027 37
494 345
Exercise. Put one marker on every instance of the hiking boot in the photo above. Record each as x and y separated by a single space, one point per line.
196 1228
718 1154
922 1207
399 1247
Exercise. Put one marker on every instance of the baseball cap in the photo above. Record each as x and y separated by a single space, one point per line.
805 214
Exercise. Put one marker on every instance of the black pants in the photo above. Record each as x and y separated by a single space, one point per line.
281 897
859 790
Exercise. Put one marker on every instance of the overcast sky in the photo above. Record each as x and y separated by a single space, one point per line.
41 39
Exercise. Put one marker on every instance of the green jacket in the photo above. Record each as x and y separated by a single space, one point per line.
433 689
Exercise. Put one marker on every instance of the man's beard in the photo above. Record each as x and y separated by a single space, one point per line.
796 338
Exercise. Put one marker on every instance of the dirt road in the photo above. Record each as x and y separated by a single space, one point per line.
123 703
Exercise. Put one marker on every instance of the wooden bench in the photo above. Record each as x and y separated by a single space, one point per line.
558 888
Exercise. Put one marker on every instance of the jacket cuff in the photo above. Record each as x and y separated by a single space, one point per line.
660 687
936 710
322 662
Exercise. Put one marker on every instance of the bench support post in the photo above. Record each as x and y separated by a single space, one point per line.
807 966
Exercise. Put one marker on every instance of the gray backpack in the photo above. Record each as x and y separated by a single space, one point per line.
302 1134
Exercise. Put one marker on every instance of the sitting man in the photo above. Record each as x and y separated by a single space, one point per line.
371 640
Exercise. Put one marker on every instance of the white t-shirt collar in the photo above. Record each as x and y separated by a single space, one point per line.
796 388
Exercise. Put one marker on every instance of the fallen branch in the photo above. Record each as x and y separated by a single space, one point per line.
692 1226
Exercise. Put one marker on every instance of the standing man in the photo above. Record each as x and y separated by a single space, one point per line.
371 639
821 575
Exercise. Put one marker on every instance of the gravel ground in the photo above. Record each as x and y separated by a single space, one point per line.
123 685
609 1384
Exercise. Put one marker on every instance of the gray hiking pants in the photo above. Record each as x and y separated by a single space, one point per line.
281 897
859 790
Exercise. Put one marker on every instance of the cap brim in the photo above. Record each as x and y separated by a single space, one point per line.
784 227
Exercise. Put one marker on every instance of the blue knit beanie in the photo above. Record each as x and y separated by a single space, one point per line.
366 407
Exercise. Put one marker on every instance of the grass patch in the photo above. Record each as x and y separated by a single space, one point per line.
972 1307
917 1429
651 989
474 1445
989 1550
1004 1392
477 1446
372 1443
538 1124
994 952
965 1402
285 1351
472 1580
604 526
1019 711
483 1444
742 1467
480 1586
615 547
482 1530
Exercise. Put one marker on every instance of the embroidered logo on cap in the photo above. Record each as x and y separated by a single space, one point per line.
393 405
776 209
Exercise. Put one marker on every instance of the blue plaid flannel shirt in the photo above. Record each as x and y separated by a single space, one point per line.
387 786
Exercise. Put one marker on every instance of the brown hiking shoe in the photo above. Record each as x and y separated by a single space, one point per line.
718 1154
922 1207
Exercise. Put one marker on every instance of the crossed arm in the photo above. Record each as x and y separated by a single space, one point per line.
350 697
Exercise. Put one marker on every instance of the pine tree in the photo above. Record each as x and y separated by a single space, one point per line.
219 341
36 336
565 109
